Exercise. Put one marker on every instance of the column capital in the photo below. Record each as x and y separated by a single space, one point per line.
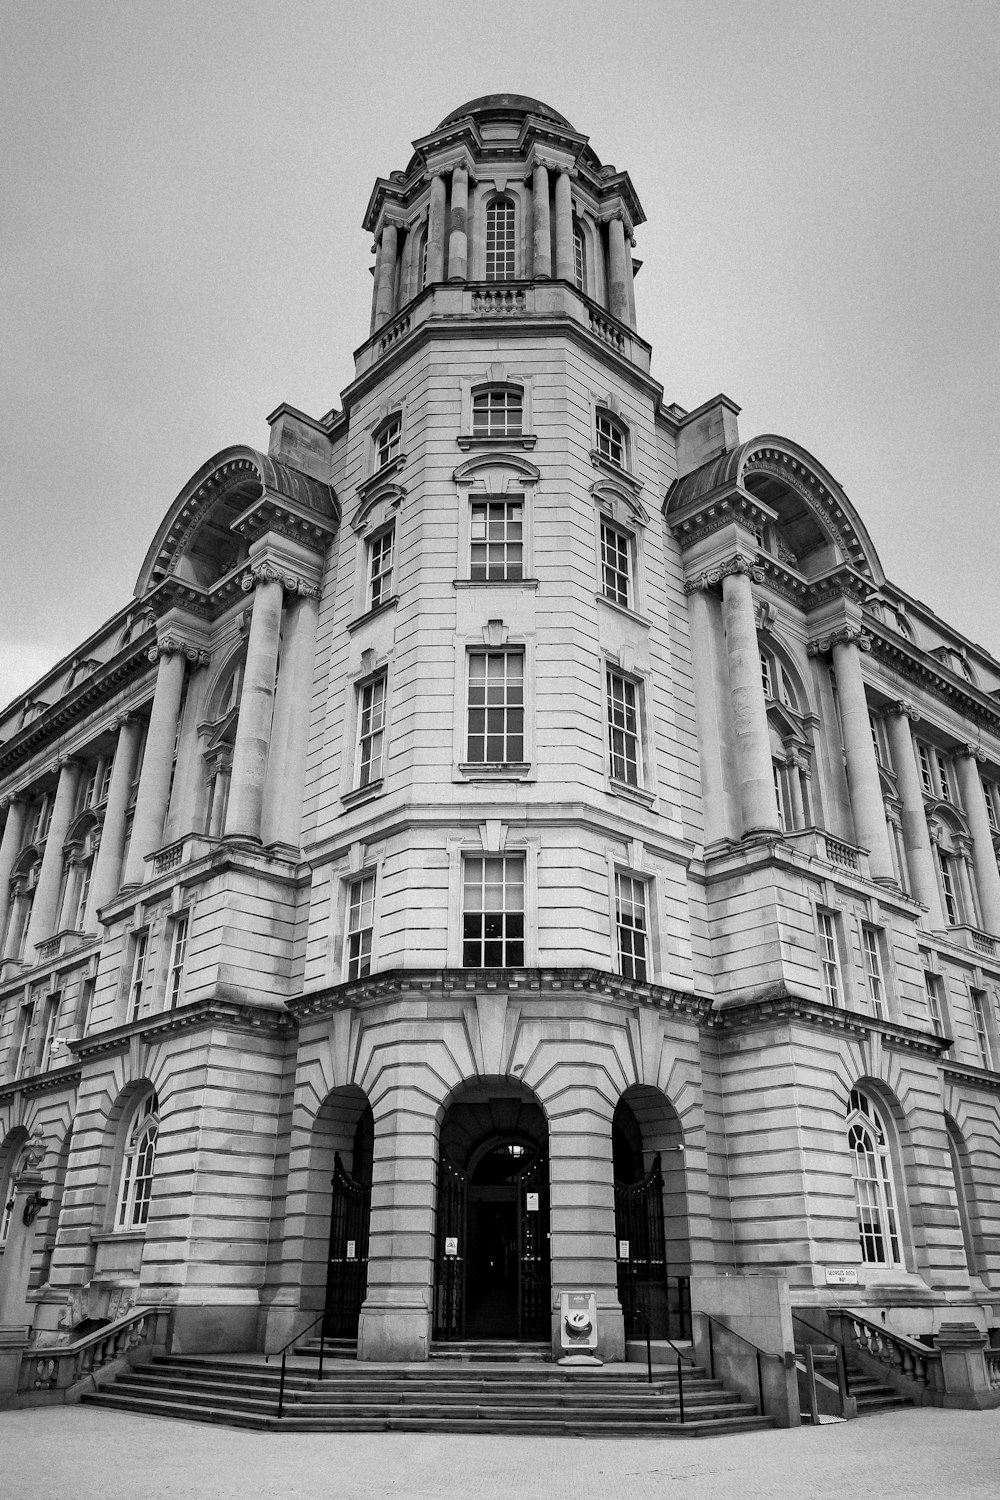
266 572
61 762
129 716
905 709
845 635
712 577
974 752
6 803
170 644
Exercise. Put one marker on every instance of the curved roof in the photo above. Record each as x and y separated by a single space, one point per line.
518 103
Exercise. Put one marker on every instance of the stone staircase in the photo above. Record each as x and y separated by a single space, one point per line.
870 1393
453 1392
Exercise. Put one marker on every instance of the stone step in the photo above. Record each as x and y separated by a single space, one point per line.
537 1378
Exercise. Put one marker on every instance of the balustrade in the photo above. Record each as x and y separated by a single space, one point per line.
911 1360
59 1367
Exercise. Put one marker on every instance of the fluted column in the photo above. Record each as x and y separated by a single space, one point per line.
458 237
45 910
157 762
253 729
286 767
864 782
385 275
564 226
435 231
920 861
542 232
984 862
758 802
111 849
10 848
619 271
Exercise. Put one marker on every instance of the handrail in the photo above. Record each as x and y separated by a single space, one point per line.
750 1344
283 1351
833 1339
681 1357
909 1358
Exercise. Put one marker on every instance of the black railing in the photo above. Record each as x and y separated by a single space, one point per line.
841 1347
759 1352
284 1355
650 1323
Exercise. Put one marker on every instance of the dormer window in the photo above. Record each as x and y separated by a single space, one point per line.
500 244
611 438
388 441
498 412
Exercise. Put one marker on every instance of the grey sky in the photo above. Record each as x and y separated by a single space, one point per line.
183 187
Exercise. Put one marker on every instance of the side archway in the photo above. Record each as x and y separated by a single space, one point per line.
653 1248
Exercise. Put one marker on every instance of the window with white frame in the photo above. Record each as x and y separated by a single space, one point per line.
40 819
624 741
371 730
616 564
84 873
980 1026
107 767
24 1039
991 795
829 955
380 564
632 926
612 438
871 943
935 1003
498 412
875 1195
935 772
7 1200
138 1159
53 1005
500 241
579 258
496 708
493 911
360 926
137 977
774 680
178 955
949 888
388 441
497 540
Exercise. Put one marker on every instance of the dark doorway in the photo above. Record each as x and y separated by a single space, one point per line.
350 1210
652 1255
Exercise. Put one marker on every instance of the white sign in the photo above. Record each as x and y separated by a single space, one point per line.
451 1245
623 1249
578 1320
531 1203
841 1276
352 1249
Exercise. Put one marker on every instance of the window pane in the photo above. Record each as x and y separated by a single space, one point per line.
500 240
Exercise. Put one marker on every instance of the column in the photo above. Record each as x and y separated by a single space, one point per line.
862 766
385 275
253 729
157 763
565 268
286 766
458 239
920 861
629 281
542 233
189 772
619 271
582 1209
749 708
794 779
107 874
707 656
45 909
10 848
435 231
984 862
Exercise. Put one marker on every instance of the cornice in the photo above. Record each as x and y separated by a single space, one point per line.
42 1083
977 1078
198 1015
758 1014
920 668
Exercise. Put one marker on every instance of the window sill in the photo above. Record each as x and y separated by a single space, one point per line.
373 613
494 583
615 471
495 770
363 793
467 440
623 609
633 793
381 476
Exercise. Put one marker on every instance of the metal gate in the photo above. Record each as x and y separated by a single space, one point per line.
644 1284
347 1268
449 1268
533 1310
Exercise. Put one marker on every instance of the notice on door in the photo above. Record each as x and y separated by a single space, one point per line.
623 1249
352 1249
451 1245
531 1202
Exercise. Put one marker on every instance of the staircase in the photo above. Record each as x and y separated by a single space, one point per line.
870 1393
455 1391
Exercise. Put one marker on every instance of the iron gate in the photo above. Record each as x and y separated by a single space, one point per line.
533 1312
347 1267
449 1269
644 1284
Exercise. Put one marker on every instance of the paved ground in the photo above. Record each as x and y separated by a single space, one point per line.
74 1453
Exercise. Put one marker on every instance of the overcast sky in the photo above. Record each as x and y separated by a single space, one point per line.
183 186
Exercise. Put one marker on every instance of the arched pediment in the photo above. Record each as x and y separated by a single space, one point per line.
480 464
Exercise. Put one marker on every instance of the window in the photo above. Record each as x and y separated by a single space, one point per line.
139 1156
935 1009
979 1025
83 894
623 729
990 793
579 259
830 958
88 787
785 821
632 927
953 915
493 912
765 674
138 978
874 1193
496 708
871 938
497 540
935 773
51 1025
380 552
106 769
41 819
615 547
775 681
388 440
360 923
24 1040
498 412
500 265
371 730
178 953
611 438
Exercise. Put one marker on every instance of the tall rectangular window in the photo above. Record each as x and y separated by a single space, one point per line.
500 245
137 981
497 535
623 729
579 259
24 1040
615 564
873 971
630 918
371 730
52 1008
496 708
978 999
829 958
498 412
107 768
360 924
178 953
990 795
83 895
493 912
610 439
388 441
926 770
935 1010
380 552
953 915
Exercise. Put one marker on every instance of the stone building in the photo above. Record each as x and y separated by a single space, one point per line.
514 839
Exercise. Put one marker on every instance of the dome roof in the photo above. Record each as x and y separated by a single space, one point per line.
518 103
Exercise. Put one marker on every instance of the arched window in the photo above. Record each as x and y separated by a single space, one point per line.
500 244
875 1194
223 717
579 257
136 1181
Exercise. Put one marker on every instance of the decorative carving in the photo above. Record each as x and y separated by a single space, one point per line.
32 1155
975 752
845 635
495 633
172 645
903 706
712 577
266 572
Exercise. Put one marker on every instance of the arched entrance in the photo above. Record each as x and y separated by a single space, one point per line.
335 1267
492 1252
651 1225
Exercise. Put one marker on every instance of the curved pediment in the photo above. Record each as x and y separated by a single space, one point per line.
474 468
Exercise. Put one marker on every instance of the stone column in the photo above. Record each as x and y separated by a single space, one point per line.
286 766
253 729
435 231
157 762
920 862
542 236
10 848
863 779
45 910
111 849
967 886
629 281
189 772
797 809
704 612
749 707
984 862
385 275
565 268
458 239
619 271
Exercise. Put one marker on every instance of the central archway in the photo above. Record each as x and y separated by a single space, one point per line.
492 1253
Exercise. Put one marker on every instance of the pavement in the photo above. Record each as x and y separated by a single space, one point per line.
81 1453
